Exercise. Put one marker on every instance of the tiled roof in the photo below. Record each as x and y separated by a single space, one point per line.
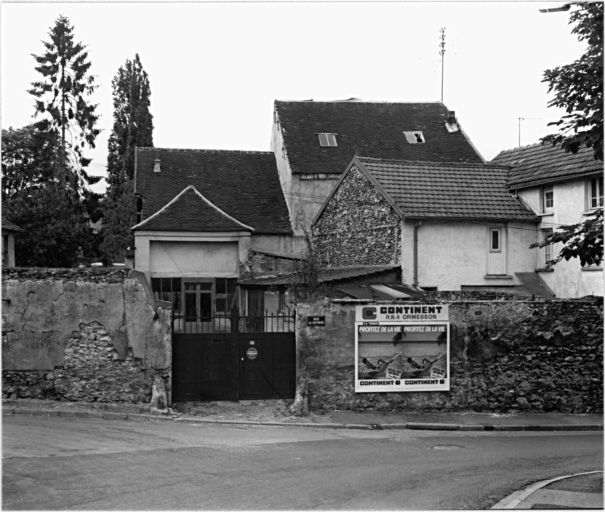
367 128
324 275
540 164
424 190
8 225
191 211
243 184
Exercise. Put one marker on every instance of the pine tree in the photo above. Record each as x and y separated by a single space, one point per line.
132 127
62 103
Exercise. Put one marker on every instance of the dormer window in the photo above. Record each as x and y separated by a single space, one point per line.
327 139
156 166
414 137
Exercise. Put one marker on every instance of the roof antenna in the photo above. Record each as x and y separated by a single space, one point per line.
525 119
442 53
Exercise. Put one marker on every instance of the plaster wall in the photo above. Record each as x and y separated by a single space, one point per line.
56 327
452 254
168 254
194 259
281 160
282 245
567 278
304 197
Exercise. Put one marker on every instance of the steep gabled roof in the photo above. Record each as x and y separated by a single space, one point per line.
242 184
448 190
539 164
191 211
367 128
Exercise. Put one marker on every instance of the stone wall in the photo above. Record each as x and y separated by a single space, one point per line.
505 356
82 335
357 227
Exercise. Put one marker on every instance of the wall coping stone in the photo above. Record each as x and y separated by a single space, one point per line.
583 300
93 274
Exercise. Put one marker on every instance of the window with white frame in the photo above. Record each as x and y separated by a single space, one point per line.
595 191
327 140
548 199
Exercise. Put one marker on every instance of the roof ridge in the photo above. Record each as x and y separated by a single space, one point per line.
177 150
434 162
526 146
358 101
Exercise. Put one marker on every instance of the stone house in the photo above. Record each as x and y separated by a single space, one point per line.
313 142
9 230
448 225
561 188
201 213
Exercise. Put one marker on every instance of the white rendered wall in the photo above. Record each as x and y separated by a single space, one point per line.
166 254
453 254
304 197
281 245
567 279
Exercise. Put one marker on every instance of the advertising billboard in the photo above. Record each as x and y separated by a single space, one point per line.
402 348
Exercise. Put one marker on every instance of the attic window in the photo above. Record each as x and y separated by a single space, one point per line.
451 124
327 140
156 165
414 137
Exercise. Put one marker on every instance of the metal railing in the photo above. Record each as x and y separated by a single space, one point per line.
269 322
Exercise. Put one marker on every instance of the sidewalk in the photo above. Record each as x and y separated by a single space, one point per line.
580 491
275 412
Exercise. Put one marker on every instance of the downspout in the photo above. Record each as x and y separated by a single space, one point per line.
416 228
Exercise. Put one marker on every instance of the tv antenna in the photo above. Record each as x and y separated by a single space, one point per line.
525 119
442 53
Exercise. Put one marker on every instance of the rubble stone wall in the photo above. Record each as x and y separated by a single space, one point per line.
357 227
505 356
82 335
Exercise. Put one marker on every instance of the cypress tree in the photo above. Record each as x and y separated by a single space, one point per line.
132 127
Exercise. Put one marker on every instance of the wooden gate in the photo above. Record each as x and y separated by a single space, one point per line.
233 358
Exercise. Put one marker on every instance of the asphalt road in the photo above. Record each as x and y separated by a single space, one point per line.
82 463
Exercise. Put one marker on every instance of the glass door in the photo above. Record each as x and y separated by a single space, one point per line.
198 301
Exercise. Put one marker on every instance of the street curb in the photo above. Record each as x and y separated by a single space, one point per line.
358 426
514 499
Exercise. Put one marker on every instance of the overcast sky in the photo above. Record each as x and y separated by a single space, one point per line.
215 68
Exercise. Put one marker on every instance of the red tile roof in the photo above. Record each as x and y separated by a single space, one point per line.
367 128
243 184
425 190
541 164
191 211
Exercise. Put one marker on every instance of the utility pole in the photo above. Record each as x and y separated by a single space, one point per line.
442 53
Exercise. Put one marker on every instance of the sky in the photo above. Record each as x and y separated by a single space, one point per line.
215 68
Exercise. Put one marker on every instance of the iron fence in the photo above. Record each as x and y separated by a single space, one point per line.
269 322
